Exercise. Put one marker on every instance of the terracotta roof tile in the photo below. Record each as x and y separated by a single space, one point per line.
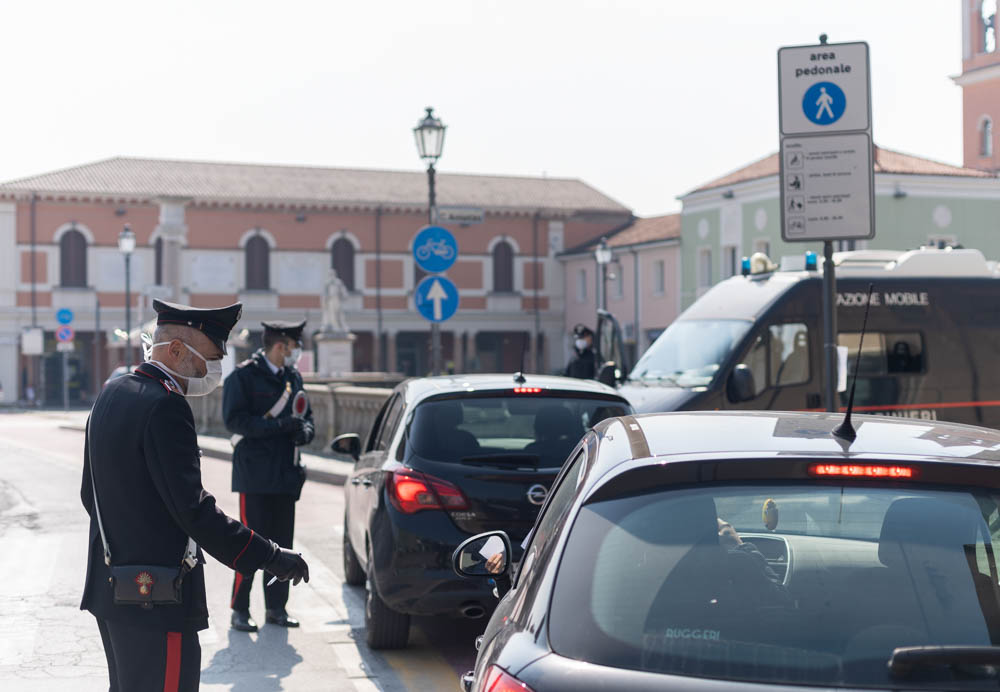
886 161
241 183
649 229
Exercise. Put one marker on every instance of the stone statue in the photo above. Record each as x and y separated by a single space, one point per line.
334 294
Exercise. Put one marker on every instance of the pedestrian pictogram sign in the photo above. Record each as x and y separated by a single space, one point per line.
824 89
824 103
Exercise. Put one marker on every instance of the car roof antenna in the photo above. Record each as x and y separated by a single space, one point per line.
845 431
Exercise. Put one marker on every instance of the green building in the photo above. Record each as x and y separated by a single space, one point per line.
917 202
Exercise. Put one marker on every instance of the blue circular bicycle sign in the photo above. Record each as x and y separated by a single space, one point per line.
434 249
824 103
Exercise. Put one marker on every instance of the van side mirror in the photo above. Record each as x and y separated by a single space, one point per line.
608 374
484 555
348 444
740 386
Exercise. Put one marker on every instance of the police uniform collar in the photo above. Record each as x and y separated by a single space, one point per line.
165 378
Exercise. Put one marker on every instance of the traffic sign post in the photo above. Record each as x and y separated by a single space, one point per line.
825 162
436 297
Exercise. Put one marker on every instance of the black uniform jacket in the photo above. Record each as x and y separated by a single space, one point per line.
143 448
583 365
264 461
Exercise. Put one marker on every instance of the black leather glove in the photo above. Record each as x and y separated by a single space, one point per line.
285 565
291 425
305 435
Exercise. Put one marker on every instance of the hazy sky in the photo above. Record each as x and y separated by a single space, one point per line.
643 99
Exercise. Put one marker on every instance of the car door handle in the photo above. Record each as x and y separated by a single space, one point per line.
366 482
355 481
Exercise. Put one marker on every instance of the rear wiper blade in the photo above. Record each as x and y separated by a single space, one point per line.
503 458
906 659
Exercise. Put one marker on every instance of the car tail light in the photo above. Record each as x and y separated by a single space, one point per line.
862 471
527 390
412 491
499 680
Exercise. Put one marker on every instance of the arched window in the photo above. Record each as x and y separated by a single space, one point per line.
158 261
342 261
986 137
503 267
257 270
73 259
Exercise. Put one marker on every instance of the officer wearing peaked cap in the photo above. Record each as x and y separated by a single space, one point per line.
150 516
265 407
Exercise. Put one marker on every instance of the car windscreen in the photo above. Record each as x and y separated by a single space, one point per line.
690 352
781 583
534 429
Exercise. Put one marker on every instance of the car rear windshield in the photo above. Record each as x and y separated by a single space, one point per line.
781 584
534 429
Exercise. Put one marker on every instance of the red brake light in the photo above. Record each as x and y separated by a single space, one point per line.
499 680
527 390
412 491
862 471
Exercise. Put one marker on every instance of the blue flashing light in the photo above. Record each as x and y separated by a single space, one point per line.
810 261
745 266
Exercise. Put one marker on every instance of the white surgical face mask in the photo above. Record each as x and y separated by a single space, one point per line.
293 358
196 386
580 344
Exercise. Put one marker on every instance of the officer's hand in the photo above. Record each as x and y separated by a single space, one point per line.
285 565
305 435
291 425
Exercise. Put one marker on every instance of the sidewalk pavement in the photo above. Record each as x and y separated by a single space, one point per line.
318 468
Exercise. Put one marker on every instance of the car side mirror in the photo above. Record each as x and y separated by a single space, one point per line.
348 444
608 374
740 386
484 555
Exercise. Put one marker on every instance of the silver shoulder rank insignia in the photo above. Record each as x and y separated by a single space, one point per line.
171 387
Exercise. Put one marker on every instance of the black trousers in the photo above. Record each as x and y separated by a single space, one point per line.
144 660
272 516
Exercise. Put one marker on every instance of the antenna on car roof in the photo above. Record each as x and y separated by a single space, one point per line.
845 431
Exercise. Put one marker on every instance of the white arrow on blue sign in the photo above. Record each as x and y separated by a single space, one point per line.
64 316
434 249
436 298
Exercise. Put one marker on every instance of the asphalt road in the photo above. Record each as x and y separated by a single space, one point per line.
47 643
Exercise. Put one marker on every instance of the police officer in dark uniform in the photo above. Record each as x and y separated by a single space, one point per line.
265 408
583 365
141 458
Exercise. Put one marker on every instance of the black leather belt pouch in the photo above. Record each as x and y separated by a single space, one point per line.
147 585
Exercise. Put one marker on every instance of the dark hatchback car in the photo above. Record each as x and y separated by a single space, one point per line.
719 550
447 458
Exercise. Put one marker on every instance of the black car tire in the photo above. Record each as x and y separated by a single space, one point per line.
384 627
353 574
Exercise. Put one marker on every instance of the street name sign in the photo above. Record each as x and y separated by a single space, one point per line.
436 298
64 316
434 249
825 125
465 216
65 333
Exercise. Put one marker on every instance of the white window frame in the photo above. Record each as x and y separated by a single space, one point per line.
704 260
581 285
659 277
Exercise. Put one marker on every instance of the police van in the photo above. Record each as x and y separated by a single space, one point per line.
931 350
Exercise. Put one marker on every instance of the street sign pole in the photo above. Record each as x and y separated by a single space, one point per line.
65 380
826 168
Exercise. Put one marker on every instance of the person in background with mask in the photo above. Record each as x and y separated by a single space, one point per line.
583 365
142 488
265 407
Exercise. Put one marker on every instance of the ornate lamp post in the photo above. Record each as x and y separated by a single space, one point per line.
603 256
126 244
429 134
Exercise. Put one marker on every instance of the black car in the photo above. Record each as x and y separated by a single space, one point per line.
447 458
719 550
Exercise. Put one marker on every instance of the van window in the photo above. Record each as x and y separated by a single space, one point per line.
884 353
789 354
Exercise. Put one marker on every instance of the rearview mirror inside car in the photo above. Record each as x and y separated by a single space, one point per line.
348 444
483 555
740 386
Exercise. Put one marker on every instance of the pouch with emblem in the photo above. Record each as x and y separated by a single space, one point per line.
143 585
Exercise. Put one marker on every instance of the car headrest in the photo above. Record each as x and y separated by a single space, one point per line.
925 521
447 414
556 421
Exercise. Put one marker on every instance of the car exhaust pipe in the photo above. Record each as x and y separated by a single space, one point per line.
473 611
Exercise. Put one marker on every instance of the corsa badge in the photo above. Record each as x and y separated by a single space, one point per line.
144 580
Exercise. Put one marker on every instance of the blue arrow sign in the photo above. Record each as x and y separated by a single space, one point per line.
824 103
65 316
434 249
436 298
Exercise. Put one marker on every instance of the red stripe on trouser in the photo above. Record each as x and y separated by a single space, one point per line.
243 509
239 577
172 675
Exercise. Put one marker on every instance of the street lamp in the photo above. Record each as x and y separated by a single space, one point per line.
429 134
126 244
603 256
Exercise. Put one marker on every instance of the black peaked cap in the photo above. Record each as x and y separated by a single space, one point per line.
293 330
215 323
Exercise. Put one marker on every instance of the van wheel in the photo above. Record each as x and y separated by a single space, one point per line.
353 574
384 627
